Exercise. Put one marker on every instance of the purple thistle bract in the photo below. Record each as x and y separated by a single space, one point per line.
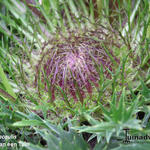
71 63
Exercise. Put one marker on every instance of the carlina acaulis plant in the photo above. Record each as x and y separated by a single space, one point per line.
69 63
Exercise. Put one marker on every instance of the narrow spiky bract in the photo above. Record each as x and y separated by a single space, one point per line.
72 64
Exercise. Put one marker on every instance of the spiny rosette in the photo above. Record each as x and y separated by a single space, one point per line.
71 63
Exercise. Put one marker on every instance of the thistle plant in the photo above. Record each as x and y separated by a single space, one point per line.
73 63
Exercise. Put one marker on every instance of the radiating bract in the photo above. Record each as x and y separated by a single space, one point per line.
72 64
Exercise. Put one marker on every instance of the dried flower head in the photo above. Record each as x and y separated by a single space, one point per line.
71 64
